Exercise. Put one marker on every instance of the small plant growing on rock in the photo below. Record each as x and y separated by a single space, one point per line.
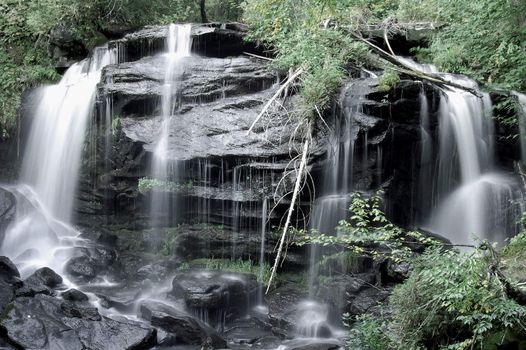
388 80
146 184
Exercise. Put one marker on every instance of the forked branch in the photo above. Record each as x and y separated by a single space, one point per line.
282 88
295 193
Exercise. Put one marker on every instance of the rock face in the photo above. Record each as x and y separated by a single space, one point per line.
221 98
42 281
41 323
88 262
9 282
381 127
221 174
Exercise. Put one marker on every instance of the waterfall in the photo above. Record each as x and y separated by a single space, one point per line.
179 43
426 153
40 234
264 214
472 197
332 206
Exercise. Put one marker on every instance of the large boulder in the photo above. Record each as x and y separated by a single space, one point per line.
282 302
215 292
42 281
180 326
88 262
8 271
46 322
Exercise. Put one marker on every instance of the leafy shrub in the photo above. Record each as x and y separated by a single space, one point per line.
451 300
483 39
294 32
369 232
388 80
368 333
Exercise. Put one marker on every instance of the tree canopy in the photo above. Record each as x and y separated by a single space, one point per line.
484 39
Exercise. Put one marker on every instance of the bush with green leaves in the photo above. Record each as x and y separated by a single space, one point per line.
367 332
484 39
451 300
294 31
369 232
388 80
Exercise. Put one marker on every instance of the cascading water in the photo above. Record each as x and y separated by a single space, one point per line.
179 43
472 198
264 215
333 205
426 151
40 234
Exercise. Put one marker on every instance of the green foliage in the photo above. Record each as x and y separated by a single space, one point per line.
388 80
6 311
368 227
168 244
451 300
223 10
146 184
292 28
484 39
115 124
367 332
513 258
506 111
23 60
27 28
239 265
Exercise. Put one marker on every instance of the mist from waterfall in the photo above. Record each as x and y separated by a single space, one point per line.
41 235
471 199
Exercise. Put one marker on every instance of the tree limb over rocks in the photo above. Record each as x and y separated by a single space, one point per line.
404 68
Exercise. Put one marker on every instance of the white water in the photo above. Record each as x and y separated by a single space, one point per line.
426 155
332 206
474 201
41 235
264 214
179 43
313 321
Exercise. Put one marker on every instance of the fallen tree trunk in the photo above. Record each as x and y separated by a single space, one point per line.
410 70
